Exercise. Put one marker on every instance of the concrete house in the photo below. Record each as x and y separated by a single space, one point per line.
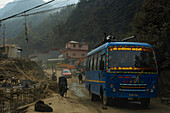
75 50
10 51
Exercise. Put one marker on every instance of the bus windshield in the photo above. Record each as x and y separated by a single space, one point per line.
131 60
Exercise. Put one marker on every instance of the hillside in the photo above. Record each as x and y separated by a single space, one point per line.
152 25
17 6
88 21
15 26
40 37
94 17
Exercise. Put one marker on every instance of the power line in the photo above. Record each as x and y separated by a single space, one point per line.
45 11
35 36
50 5
25 11
49 10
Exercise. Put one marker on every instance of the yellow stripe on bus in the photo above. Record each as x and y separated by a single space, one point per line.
95 81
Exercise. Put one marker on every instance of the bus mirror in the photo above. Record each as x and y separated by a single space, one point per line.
101 65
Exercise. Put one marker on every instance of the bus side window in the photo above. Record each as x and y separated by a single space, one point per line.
102 62
91 63
97 62
99 59
94 68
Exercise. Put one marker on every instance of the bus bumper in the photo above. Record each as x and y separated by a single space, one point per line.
126 93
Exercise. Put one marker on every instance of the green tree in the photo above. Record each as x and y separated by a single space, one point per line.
152 24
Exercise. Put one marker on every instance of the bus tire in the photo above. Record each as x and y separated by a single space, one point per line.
106 100
145 102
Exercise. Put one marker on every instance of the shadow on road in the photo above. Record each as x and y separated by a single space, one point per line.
128 105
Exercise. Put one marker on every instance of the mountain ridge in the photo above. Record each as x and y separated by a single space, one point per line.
14 7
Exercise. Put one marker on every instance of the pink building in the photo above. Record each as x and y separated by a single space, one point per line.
75 50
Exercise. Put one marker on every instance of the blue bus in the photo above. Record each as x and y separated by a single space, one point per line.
122 70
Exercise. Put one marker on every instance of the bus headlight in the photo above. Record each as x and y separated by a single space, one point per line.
114 89
151 90
153 86
111 85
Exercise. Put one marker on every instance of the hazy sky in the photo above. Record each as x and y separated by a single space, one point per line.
4 2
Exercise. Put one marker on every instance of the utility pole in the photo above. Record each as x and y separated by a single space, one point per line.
26 38
0 30
26 35
4 35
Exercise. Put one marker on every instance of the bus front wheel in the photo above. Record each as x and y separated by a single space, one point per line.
106 100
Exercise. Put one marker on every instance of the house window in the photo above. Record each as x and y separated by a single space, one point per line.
80 45
82 54
74 45
74 54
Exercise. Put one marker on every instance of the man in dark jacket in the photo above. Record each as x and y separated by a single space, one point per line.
54 78
62 85
80 77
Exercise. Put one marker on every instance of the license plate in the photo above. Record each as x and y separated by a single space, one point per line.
133 95
130 98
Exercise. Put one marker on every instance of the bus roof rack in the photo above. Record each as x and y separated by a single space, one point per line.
107 38
128 38
110 38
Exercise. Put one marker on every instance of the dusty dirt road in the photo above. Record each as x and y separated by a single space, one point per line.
77 101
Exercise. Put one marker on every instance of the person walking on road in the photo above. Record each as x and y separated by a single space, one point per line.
54 78
63 86
80 77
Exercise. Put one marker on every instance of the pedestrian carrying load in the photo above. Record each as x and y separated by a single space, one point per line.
62 85
54 78
80 77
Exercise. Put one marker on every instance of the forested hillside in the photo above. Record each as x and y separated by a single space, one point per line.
92 18
15 26
152 25
40 36
17 6
88 21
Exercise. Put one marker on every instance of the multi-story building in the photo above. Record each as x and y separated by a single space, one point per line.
75 50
